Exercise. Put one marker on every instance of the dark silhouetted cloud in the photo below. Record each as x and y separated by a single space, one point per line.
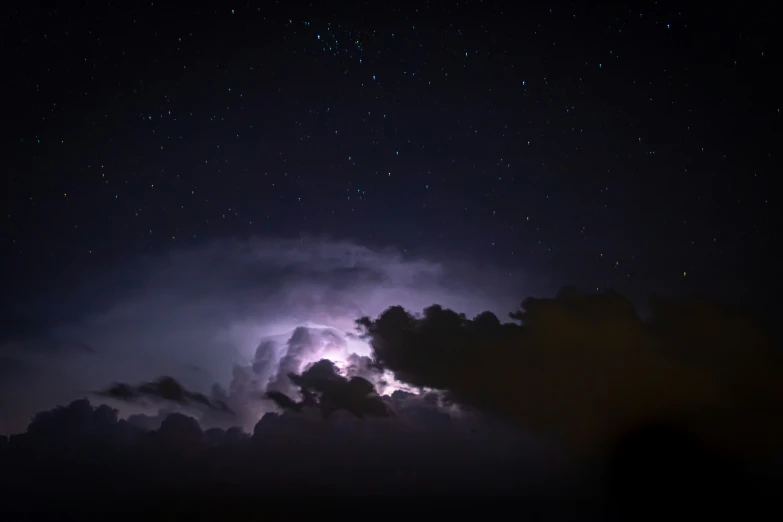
165 389
322 386
584 368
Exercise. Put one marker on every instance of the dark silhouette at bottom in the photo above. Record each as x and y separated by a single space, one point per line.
658 469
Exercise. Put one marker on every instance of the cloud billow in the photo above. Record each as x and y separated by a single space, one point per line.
437 399
585 368
222 314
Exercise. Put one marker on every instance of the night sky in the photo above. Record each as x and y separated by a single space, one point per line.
602 146
183 183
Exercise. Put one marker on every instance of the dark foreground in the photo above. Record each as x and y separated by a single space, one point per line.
649 501
653 473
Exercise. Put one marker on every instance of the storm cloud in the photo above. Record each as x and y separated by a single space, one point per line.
572 393
585 369
218 317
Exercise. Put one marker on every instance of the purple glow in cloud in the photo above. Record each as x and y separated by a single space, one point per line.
228 313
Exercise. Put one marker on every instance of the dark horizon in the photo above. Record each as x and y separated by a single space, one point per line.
348 438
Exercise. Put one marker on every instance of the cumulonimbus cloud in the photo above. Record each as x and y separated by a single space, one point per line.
581 370
209 314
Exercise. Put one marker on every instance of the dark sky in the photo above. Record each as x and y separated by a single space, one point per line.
200 202
624 145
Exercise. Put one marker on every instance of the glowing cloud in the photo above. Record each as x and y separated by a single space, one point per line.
211 313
